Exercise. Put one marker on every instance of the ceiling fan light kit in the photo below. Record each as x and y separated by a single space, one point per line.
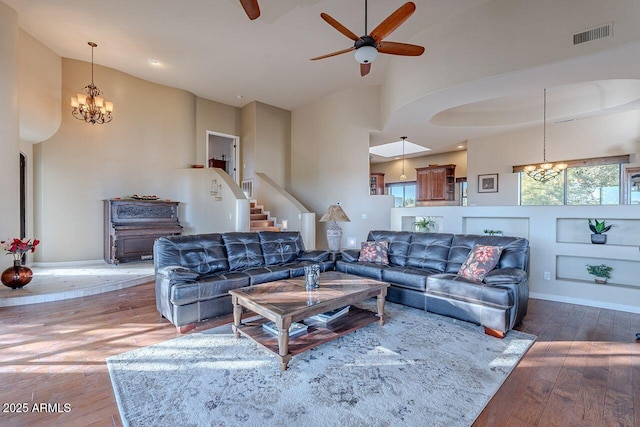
368 46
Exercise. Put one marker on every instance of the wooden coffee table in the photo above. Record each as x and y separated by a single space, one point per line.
287 301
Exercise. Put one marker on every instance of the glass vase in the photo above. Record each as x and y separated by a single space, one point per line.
17 276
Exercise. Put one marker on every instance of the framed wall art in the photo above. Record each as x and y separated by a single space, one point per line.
488 183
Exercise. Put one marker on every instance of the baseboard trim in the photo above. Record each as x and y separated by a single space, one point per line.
587 302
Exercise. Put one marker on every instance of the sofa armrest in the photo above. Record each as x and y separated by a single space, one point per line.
351 255
503 276
315 256
176 273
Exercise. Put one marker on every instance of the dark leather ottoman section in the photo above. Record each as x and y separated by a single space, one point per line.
407 277
207 288
364 269
407 297
490 317
271 273
454 287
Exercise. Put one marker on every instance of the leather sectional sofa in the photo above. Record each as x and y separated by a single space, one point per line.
195 272
422 272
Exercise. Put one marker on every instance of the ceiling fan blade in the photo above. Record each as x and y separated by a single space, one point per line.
364 69
393 21
328 55
338 26
251 7
405 49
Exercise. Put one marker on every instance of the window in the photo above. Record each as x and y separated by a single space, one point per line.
404 194
580 185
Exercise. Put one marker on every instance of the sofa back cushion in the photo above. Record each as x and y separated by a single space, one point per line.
280 247
202 253
243 250
515 251
429 250
398 244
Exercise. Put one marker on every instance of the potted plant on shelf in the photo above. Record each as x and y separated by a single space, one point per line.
598 229
601 272
424 223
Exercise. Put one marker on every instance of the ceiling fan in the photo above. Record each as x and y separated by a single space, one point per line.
367 47
251 8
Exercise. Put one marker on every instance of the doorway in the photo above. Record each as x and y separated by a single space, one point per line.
23 196
222 151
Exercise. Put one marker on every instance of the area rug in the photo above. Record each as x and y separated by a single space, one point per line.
419 369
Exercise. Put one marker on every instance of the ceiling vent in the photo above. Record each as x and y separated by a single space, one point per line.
593 34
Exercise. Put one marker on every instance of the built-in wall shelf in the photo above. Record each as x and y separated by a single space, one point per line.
574 268
625 232
510 226
407 222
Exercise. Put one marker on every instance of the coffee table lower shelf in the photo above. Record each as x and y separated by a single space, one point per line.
317 333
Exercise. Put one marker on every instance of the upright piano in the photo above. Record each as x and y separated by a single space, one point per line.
131 226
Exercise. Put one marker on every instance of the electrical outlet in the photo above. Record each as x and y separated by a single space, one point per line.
547 275
364 216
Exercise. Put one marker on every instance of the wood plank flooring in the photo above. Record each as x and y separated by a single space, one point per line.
583 369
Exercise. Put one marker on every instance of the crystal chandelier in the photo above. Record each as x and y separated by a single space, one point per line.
544 171
403 177
90 106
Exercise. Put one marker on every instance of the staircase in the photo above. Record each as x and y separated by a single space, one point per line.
261 219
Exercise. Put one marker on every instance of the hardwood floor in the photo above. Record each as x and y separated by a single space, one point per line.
583 369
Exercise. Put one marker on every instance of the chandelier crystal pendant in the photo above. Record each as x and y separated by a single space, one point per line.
90 106
545 171
403 177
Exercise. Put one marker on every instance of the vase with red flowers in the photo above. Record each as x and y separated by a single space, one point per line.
19 275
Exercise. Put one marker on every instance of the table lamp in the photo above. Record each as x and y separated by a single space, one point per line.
333 215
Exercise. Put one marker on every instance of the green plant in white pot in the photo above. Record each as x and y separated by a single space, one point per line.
601 272
424 223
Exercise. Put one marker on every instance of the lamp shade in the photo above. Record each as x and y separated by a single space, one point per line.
365 54
335 213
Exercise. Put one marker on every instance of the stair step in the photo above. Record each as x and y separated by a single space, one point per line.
256 210
258 217
265 228
262 223
252 204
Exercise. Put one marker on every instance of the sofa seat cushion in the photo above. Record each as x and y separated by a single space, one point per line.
243 250
364 269
207 287
398 244
296 268
279 247
429 250
452 286
407 277
271 273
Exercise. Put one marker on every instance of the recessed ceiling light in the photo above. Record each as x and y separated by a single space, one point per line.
460 146
239 96
153 61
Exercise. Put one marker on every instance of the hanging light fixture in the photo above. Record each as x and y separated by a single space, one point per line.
90 106
403 177
544 171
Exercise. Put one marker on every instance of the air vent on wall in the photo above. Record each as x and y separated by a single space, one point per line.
593 34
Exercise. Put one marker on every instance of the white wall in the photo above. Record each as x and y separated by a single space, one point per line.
9 141
40 83
330 161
